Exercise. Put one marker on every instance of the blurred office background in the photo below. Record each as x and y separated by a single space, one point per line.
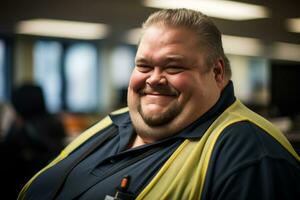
82 52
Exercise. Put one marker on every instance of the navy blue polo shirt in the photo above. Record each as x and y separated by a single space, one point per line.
246 163
101 172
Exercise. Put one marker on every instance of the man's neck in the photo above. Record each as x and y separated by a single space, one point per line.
137 141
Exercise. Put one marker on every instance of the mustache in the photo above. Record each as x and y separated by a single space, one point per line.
159 90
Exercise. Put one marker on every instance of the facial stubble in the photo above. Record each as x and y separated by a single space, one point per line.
160 119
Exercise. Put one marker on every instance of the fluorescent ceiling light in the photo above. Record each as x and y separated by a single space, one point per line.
242 46
231 10
286 51
62 28
293 25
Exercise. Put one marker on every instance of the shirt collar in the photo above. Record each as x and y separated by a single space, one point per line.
198 127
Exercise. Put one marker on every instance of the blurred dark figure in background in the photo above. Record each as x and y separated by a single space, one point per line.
34 138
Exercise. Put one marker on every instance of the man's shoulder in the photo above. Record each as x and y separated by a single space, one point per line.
247 136
245 153
244 143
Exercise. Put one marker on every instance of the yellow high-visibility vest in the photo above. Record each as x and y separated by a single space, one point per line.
183 175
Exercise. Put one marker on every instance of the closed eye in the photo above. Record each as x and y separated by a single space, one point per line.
174 69
144 68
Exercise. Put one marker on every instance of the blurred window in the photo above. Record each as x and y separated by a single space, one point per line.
260 80
81 78
122 65
251 79
47 72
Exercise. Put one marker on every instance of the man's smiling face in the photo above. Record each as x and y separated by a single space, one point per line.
170 82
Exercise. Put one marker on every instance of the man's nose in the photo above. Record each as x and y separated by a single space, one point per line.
157 77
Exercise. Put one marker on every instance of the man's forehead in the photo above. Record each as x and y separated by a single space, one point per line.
166 58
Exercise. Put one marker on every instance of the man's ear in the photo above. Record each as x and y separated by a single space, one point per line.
219 71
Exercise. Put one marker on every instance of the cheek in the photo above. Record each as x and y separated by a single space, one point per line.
137 80
183 82
190 88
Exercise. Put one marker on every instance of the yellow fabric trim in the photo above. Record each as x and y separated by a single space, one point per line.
72 146
120 111
183 175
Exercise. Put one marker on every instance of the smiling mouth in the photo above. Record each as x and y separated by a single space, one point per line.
159 92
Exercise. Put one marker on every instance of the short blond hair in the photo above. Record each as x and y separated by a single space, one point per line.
208 33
